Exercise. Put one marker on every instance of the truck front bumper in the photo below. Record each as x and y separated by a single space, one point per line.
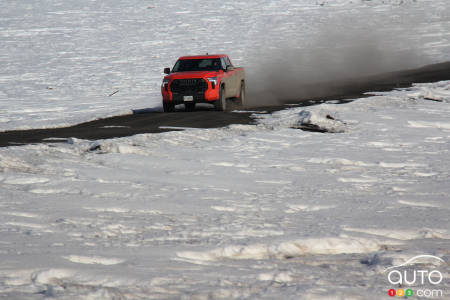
208 95
179 98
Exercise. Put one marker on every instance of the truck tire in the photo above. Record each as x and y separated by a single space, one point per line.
168 107
221 104
189 106
240 101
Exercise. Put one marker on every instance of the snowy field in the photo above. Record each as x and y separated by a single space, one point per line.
242 212
61 60
262 211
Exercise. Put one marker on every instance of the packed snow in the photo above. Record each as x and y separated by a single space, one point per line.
67 62
264 211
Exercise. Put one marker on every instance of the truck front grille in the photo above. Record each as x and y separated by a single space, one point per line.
191 85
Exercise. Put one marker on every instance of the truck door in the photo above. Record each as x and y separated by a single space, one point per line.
231 82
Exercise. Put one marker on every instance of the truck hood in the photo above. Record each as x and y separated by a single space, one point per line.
194 74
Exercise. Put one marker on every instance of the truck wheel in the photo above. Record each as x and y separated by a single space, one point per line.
168 107
189 106
241 99
221 104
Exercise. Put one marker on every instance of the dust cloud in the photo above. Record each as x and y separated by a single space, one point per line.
323 64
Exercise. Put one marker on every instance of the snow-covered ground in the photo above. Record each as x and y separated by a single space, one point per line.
244 212
61 60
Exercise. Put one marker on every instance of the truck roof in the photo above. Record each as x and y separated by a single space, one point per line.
203 56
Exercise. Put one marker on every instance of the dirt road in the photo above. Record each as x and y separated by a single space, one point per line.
155 122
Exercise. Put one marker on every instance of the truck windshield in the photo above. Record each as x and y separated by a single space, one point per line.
207 64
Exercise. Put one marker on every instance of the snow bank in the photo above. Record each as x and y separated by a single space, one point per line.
311 120
318 121
327 117
323 246
439 91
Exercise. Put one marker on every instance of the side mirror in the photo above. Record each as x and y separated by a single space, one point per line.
230 68
166 70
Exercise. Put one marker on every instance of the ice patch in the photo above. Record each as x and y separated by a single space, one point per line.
281 182
51 191
24 224
91 260
400 165
418 204
339 161
21 214
399 189
25 180
404 235
223 208
108 209
223 164
423 174
358 180
428 124
380 144
55 139
281 277
293 208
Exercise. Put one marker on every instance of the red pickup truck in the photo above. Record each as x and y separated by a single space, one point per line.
203 79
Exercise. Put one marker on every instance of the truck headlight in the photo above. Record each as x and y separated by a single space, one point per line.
213 81
165 83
